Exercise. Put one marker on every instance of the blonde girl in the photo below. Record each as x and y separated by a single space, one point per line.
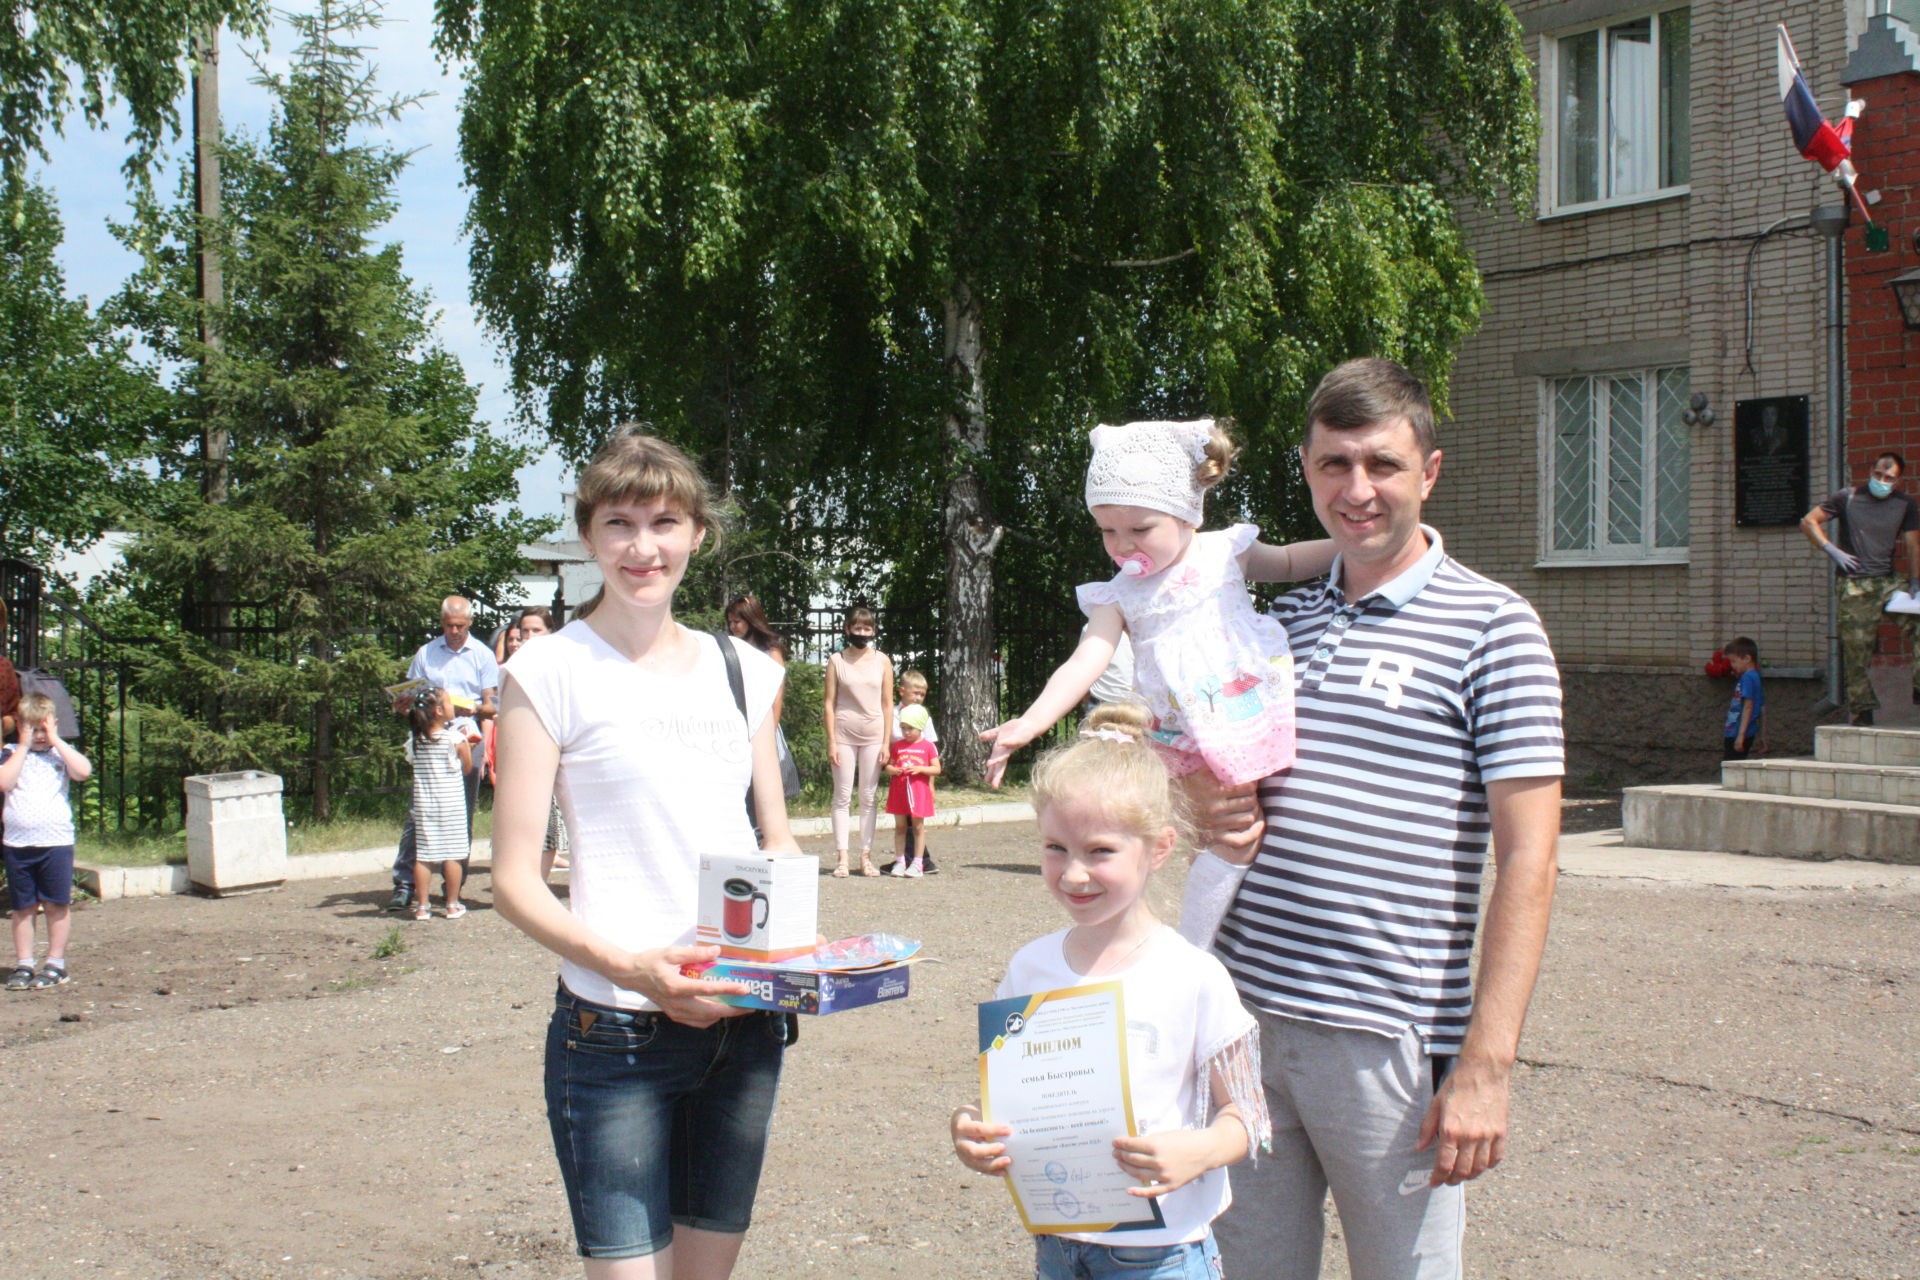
1109 816
858 706
630 717
1216 674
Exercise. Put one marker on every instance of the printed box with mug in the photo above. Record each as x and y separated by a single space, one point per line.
788 990
759 906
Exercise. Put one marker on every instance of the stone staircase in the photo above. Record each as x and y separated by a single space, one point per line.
1859 797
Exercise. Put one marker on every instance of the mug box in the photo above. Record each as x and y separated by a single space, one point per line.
786 990
759 906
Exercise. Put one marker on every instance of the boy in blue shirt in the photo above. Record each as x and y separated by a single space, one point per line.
35 774
1745 714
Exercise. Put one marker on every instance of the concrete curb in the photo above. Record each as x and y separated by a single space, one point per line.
109 882
1606 855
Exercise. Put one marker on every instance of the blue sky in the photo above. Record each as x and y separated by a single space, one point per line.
85 177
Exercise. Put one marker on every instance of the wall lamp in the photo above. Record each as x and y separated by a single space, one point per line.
1906 287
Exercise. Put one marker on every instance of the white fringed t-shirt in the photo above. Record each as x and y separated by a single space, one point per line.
653 774
1184 1021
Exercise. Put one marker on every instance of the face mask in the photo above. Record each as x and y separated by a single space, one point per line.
859 642
1879 488
1137 565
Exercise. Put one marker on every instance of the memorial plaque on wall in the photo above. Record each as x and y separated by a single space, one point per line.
1770 462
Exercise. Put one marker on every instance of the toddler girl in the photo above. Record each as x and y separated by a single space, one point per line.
441 755
913 765
1216 675
1109 816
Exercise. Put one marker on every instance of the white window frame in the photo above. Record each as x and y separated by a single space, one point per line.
1605 554
1549 205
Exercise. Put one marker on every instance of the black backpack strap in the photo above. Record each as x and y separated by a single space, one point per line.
738 684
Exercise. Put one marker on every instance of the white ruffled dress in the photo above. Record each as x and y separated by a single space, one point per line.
1216 673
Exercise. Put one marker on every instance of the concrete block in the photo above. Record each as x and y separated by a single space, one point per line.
1707 817
236 834
1843 744
1824 780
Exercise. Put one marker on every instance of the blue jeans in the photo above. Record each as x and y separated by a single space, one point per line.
1058 1258
657 1124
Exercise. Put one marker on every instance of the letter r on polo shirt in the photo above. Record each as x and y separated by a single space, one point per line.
1387 672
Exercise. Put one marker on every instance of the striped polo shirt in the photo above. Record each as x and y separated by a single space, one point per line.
1360 909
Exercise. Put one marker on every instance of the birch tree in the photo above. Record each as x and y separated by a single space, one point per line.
883 264
56 55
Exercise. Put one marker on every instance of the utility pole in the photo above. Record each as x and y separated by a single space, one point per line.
214 441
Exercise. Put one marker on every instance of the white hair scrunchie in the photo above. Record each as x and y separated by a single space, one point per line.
1150 464
1111 735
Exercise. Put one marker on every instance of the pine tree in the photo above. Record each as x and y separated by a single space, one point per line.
363 488
76 409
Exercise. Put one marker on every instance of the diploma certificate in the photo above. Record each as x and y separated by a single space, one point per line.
1053 1066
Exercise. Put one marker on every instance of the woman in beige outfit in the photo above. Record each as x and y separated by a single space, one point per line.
859 712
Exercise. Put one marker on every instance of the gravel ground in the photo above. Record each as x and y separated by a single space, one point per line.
1717 1083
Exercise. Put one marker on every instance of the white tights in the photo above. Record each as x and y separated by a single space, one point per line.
868 760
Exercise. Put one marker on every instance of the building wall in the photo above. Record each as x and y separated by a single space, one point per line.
1657 283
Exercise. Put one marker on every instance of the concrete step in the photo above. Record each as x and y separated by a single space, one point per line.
1843 744
1821 780
1708 817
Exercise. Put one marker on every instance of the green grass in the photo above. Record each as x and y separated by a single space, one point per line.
158 848
392 943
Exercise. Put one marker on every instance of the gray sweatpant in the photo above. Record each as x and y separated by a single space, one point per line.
1347 1107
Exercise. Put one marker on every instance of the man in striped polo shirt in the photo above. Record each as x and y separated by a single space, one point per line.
1428 710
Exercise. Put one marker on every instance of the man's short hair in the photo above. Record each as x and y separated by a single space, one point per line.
1741 647
1898 461
458 606
1361 393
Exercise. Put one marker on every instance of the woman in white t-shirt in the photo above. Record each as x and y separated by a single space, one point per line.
659 1097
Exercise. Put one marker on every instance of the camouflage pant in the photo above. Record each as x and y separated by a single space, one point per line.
1861 603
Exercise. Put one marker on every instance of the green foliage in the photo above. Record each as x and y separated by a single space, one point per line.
806 729
76 409
362 486
56 52
392 943
747 222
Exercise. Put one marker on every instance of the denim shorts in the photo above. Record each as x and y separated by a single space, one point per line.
657 1124
39 873
1058 1258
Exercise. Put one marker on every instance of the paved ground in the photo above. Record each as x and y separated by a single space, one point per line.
1721 1080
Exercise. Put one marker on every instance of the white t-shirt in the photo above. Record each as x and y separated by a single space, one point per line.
1181 1009
653 773
37 813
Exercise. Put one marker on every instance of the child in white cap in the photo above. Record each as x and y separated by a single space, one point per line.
913 763
1216 674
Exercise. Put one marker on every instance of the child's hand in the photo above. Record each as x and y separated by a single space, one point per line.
1007 739
1171 1159
976 1142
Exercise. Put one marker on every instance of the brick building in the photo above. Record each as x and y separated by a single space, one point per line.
1670 255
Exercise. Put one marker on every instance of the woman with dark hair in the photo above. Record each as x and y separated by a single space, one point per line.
746 620
858 708
9 682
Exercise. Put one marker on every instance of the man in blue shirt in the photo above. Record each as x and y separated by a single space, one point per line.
465 668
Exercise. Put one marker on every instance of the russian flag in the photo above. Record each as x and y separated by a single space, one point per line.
1813 137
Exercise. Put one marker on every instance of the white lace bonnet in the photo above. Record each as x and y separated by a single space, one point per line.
1150 464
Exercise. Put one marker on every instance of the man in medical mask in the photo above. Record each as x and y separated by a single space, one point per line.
1870 519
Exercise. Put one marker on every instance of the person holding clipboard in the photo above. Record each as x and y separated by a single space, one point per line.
1140 1015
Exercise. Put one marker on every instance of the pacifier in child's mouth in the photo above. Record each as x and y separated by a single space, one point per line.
1137 565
